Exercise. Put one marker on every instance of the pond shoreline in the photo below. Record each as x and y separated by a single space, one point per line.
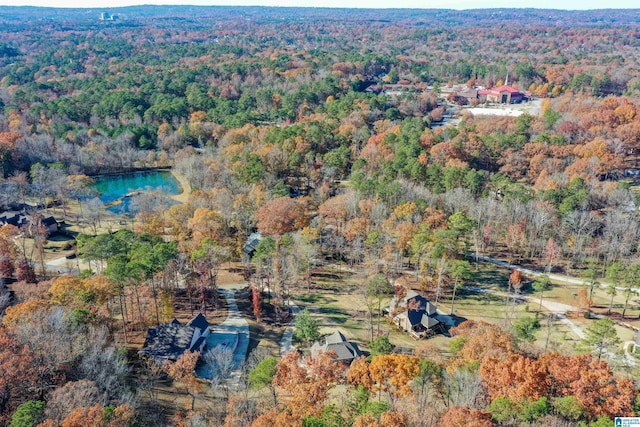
116 188
183 197
132 171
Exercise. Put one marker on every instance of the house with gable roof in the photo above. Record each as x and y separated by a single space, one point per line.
168 341
346 351
414 314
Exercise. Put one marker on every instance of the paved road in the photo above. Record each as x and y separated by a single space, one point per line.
286 343
558 309
552 276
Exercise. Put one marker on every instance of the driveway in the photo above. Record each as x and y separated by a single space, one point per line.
286 343
235 324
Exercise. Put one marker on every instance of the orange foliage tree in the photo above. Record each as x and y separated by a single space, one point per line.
459 416
281 215
393 373
517 377
308 384
481 339
592 382
99 416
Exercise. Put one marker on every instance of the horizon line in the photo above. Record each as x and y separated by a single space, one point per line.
309 7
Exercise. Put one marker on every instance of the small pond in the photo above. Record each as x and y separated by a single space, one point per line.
119 190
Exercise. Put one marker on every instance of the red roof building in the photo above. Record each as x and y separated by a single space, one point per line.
502 95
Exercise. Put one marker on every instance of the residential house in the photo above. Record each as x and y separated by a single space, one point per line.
345 350
23 219
16 219
168 341
251 244
51 225
502 95
414 314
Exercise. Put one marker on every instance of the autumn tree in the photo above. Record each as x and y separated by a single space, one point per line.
592 382
100 416
393 373
515 283
517 377
308 384
358 374
24 271
458 416
256 303
74 394
19 379
23 312
205 223
282 215
480 340
6 265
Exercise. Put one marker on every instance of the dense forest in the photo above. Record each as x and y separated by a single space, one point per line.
344 138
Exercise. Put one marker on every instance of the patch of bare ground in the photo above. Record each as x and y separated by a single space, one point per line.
265 334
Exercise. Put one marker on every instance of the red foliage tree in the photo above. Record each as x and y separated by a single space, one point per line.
24 271
18 377
257 303
6 265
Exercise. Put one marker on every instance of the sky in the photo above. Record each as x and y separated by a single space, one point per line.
421 4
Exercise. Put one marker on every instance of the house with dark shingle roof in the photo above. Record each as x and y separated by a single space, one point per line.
251 244
414 314
345 350
168 341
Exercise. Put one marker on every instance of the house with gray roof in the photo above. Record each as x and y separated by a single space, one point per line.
251 244
168 341
414 314
345 350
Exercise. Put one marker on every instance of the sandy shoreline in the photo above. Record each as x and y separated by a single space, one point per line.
183 197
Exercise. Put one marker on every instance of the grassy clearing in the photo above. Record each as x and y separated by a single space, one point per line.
337 302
